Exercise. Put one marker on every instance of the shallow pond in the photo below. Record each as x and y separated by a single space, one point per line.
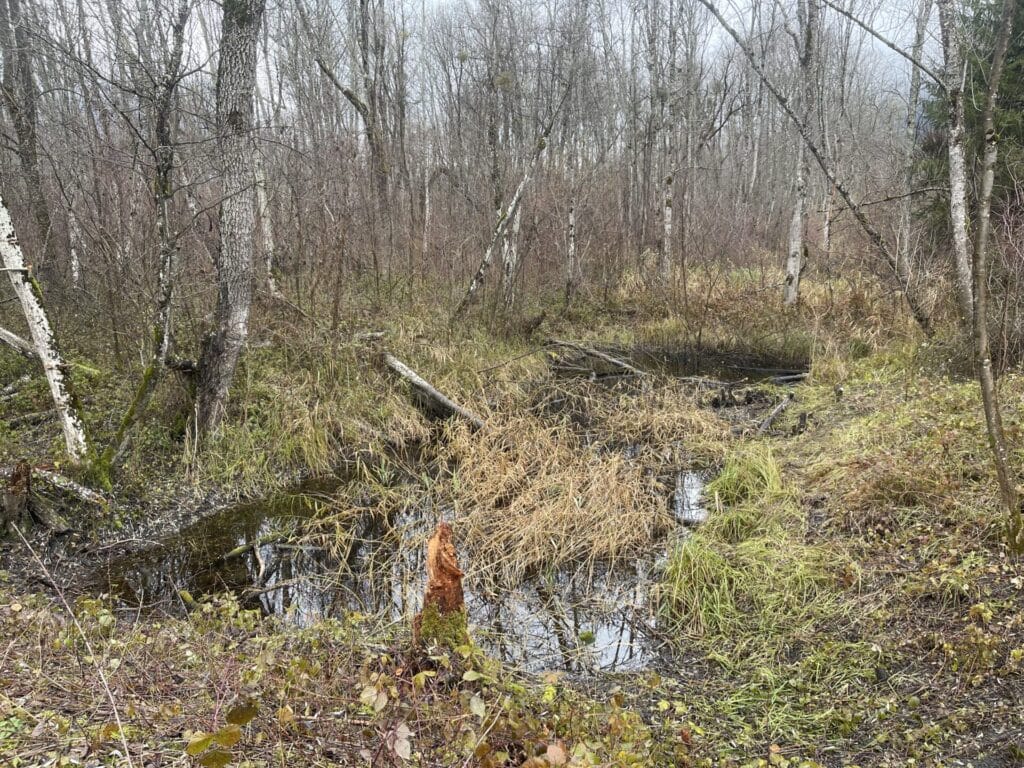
598 621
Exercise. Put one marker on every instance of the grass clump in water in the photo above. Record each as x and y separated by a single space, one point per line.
749 475
532 498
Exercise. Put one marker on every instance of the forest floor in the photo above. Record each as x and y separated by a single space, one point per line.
848 602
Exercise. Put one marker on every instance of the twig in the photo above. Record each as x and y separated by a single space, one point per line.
776 412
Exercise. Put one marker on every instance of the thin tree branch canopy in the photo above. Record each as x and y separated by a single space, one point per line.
935 77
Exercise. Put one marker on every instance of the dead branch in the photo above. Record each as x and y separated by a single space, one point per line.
776 412
440 402
70 486
18 344
622 365
12 389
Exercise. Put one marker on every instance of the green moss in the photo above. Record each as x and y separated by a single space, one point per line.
445 630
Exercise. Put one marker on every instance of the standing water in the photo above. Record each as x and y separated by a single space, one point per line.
565 620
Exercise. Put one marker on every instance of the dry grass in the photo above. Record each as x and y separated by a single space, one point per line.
531 498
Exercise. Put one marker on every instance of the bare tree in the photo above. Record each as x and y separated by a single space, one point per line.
874 236
806 41
954 74
164 189
236 80
983 357
20 97
57 376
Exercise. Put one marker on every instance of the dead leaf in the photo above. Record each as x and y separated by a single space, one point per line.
556 754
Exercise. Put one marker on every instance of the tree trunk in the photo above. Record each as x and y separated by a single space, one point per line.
953 79
236 79
500 228
510 261
57 376
665 268
983 358
809 13
797 228
572 265
903 249
874 236
266 222
19 95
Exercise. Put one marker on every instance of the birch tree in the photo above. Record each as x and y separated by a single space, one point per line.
870 230
505 216
953 77
43 339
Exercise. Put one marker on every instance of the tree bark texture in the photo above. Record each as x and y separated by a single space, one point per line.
983 357
953 80
236 80
43 339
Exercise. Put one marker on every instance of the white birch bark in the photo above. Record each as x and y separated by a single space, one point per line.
510 260
75 245
425 235
572 266
43 339
267 240
500 227
797 226
666 232
953 79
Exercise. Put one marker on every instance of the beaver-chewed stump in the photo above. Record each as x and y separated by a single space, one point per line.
442 622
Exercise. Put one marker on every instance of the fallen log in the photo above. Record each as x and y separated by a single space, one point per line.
70 486
243 549
32 418
439 402
776 412
791 378
18 344
622 365
12 389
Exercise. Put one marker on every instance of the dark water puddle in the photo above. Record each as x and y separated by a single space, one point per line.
603 620
727 365
722 365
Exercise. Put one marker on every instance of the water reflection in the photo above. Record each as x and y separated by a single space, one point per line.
599 621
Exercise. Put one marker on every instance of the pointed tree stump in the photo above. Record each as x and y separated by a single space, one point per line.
442 621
